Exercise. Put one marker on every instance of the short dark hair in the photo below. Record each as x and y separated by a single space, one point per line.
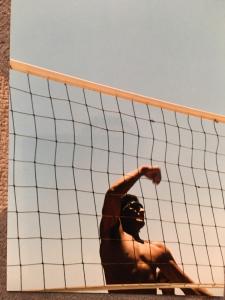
126 200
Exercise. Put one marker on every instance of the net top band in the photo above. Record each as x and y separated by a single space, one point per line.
81 83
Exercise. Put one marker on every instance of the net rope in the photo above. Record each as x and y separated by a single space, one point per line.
68 144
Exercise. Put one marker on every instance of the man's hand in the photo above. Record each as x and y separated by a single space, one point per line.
152 172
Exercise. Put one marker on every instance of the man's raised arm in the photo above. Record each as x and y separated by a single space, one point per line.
112 202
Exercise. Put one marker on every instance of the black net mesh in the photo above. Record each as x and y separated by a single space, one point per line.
67 145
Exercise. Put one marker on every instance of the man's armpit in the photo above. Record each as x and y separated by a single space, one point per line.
109 228
115 230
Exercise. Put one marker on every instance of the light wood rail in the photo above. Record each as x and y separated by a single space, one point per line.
137 286
104 89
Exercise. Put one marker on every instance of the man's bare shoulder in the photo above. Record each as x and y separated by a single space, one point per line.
156 250
156 244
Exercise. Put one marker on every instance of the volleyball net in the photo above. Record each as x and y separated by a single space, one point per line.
70 139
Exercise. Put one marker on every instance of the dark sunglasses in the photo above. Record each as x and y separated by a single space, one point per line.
132 205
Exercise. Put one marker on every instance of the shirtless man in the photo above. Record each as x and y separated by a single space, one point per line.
126 258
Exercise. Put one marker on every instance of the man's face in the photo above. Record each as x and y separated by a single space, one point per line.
134 211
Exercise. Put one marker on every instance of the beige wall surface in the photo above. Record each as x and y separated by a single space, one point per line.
4 60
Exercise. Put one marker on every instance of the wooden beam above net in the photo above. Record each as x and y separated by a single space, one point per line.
104 89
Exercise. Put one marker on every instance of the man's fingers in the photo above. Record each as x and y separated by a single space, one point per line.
156 178
154 174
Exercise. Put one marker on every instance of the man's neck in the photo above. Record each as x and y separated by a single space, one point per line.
137 238
134 234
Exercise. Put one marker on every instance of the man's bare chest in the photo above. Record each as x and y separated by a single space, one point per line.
131 257
127 248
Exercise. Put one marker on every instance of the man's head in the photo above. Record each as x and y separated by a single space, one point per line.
132 213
